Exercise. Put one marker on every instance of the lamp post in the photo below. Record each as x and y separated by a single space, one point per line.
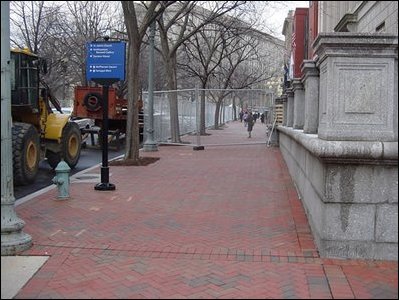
13 239
150 144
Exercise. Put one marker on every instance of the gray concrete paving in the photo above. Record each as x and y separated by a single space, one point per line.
16 271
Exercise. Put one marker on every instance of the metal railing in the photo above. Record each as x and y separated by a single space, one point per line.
231 102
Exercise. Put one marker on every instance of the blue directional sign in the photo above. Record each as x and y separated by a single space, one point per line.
105 61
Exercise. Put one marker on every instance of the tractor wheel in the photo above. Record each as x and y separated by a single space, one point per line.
93 102
71 144
70 147
26 153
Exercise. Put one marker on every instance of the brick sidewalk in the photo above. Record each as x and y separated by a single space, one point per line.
225 222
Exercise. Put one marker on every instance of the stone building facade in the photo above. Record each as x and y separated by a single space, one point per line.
340 139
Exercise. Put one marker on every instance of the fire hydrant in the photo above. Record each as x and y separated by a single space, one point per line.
61 179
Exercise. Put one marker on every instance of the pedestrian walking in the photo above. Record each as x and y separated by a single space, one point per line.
255 115
245 118
250 123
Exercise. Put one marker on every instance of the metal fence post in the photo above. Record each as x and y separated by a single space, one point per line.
198 114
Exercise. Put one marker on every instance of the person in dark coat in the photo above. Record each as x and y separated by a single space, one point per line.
255 115
250 123
262 118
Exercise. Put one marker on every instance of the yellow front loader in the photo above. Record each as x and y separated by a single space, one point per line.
37 132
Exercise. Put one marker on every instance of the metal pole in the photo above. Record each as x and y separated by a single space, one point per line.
252 101
13 240
150 144
198 123
105 185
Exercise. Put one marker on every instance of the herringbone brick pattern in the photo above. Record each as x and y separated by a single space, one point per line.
225 222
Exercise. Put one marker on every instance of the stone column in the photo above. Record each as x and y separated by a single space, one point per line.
348 175
290 107
358 86
310 81
284 101
299 104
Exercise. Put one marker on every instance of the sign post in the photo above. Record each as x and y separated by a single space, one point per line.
105 65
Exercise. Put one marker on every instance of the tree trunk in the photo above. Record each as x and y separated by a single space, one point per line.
234 109
173 105
217 114
132 126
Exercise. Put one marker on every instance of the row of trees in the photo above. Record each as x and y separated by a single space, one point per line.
213 43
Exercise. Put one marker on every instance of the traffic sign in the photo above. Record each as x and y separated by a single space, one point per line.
105 61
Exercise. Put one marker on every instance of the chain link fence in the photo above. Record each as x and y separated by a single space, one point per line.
220 106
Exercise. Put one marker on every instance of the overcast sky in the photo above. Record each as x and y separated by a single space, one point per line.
276 11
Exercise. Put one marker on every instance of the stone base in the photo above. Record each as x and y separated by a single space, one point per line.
15 243
349 191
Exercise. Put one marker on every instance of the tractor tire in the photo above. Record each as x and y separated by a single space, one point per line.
26 153
93 102
71 146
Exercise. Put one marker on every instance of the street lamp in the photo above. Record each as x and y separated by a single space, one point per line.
150 144
13 239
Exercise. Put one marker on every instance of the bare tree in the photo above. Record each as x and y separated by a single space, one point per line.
175 28
85 21
33 23
136 31
59 31
204 52
230 53
211 45
242 68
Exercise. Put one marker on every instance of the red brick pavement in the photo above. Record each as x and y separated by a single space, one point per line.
225 222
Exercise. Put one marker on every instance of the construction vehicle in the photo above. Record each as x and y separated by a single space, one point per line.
88 103
38 132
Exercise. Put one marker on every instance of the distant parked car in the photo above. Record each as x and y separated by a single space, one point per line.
84 123
67 110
